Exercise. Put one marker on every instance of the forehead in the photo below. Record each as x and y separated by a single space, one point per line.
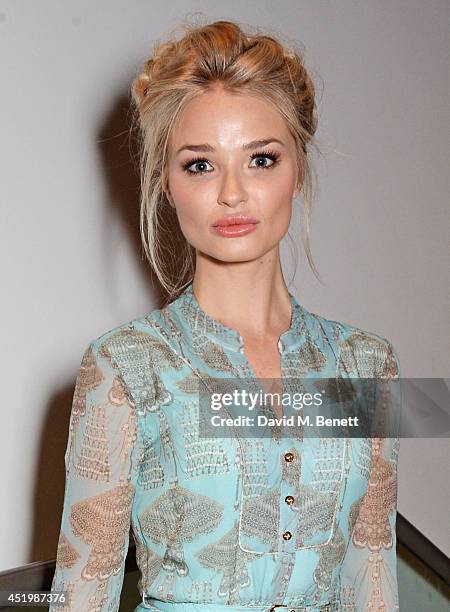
226 119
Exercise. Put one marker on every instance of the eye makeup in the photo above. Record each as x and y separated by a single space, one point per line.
272 155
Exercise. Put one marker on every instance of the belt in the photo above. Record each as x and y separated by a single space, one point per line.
156 605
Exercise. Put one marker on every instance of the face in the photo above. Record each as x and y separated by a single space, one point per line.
214 171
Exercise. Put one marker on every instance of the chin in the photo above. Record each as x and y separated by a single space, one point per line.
235 253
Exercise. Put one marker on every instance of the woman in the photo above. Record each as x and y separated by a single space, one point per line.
229 523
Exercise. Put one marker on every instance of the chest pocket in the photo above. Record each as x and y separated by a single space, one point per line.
292 489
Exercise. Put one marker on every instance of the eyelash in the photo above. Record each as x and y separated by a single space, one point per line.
272 155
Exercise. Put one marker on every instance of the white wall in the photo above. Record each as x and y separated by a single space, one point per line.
72 265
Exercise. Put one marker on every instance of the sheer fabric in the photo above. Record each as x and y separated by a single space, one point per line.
210 517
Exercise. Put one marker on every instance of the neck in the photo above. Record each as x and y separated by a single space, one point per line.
250 296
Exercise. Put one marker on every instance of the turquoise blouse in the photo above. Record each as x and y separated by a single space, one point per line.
263 523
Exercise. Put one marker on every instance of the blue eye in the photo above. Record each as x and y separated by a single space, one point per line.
196 161
272 155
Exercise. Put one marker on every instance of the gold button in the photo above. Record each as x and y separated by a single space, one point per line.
289 457
287 535
289 499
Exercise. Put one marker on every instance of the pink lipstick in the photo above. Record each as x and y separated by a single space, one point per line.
235 225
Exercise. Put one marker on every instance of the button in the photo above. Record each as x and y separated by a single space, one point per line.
287 535
289 457
289 499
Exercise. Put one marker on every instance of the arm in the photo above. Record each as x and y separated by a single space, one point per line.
102 459
369 570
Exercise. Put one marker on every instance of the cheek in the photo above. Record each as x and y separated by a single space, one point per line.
187 197
278 206
192 207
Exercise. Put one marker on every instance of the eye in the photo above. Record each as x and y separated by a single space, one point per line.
202 162
198 161
272 155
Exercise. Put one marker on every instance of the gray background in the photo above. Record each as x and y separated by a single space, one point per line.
71 259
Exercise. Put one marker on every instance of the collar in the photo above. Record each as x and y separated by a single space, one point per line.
196 322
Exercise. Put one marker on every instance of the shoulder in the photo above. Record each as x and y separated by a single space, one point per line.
128 351
359 351
134 335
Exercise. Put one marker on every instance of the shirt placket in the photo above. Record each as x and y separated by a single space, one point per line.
290 470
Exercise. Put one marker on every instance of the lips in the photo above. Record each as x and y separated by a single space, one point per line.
235 220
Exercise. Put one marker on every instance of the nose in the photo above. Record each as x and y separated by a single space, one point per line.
232 191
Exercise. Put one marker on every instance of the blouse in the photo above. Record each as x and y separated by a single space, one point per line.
261 523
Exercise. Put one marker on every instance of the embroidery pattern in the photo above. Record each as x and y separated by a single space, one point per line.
151 473
93 461
103 522
149 564
372 527
330 557
260 517
183 549
176 517
67 554
224 556
203 456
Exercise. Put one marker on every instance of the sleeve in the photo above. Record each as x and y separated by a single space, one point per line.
369 568
101 461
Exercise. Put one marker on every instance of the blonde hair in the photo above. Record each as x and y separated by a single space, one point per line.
177 72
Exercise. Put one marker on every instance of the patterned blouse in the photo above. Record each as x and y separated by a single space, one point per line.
222 524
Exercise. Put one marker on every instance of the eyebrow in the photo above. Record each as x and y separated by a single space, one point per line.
207 148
